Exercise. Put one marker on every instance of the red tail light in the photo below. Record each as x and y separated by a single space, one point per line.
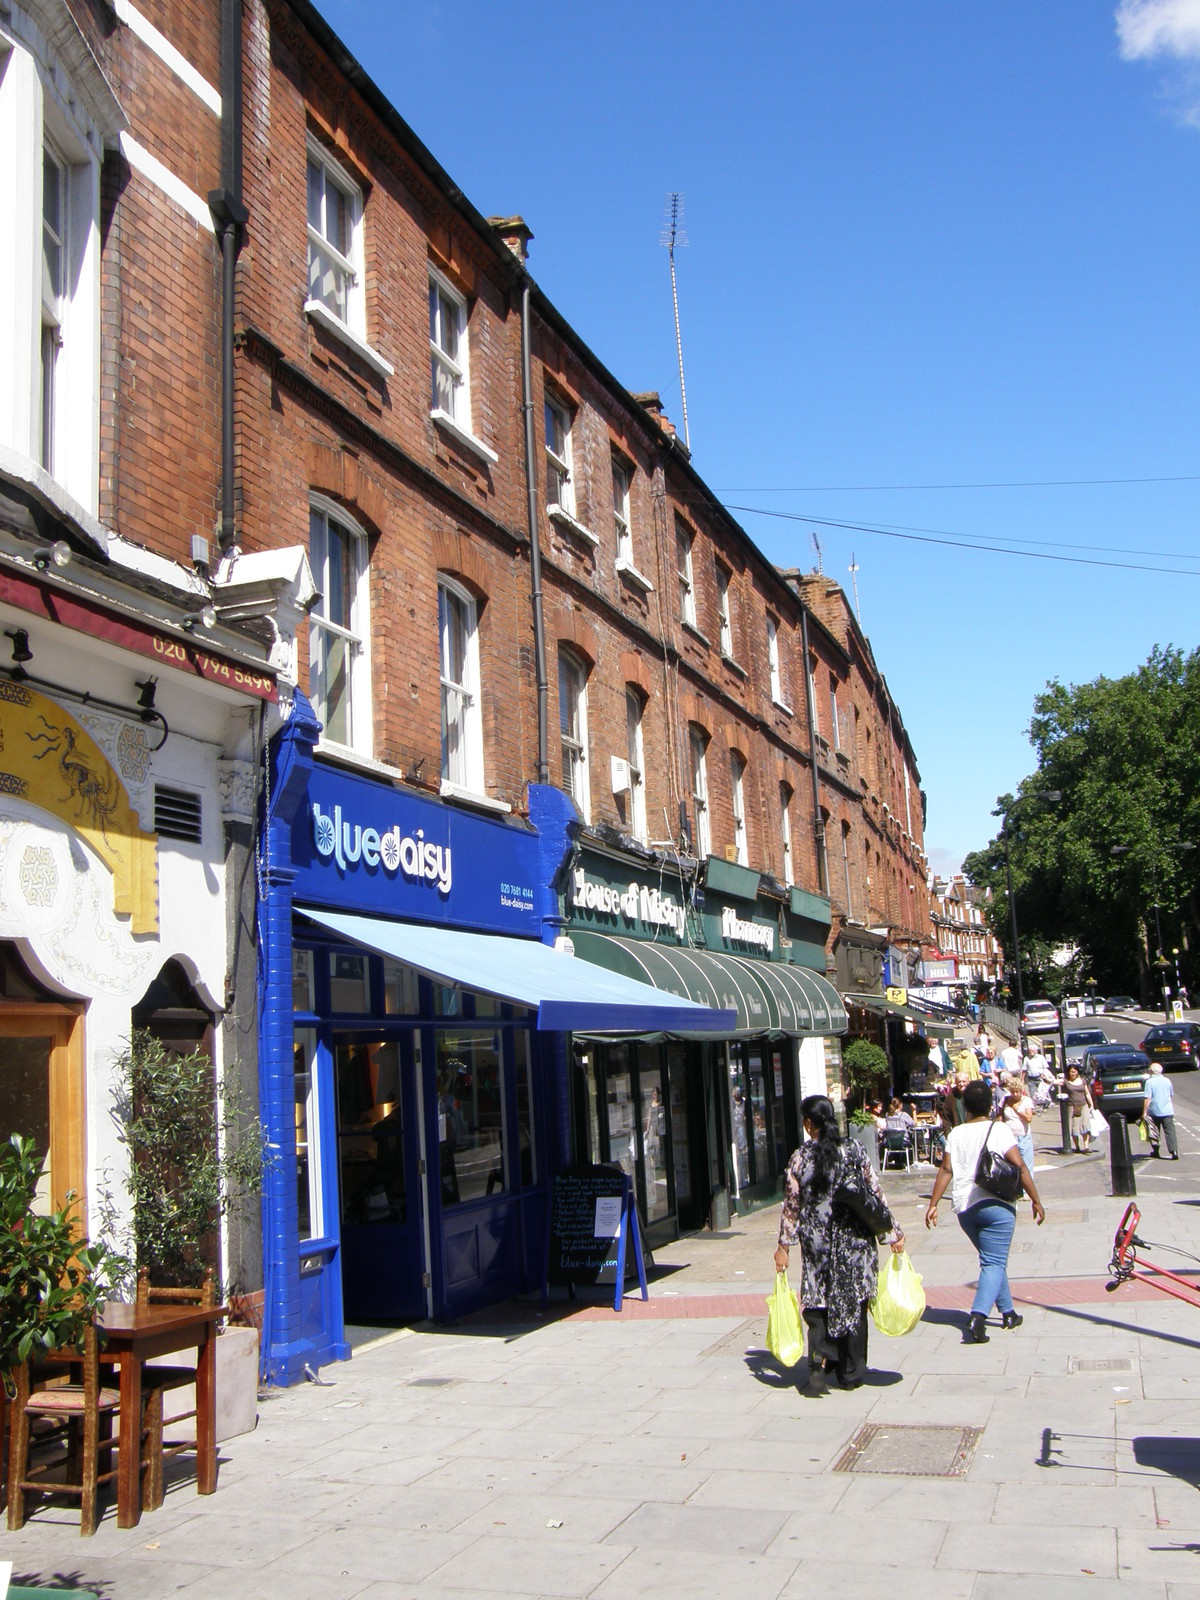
1187 1049
1098 1089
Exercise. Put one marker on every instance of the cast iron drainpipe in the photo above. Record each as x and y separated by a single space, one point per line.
535 554
822 859
229 218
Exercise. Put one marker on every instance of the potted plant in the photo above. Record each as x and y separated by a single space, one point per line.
194 1160
864 1064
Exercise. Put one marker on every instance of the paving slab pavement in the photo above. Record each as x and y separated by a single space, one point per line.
589 1454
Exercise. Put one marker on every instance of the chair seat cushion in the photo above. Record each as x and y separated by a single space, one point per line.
68 1401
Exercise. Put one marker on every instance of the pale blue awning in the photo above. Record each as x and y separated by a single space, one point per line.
569 995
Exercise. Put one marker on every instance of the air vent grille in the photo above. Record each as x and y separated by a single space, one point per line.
177 814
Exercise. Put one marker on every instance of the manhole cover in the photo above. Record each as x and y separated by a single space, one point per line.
1099 1364
430 1383
911 1451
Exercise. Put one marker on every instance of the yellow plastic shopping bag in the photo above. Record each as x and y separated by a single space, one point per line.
784 1339
899 1297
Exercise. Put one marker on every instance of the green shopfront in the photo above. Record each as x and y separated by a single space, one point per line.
703 1124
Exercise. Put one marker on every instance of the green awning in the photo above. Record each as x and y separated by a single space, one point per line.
768 996
888 1008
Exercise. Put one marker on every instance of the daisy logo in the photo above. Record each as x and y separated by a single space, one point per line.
389 851
324 832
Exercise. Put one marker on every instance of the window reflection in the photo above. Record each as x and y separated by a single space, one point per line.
653 1119
370 1133
308 1194
470 1115
524 1073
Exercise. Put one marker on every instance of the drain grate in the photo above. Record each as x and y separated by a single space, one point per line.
431 1383
910 1451
1099 1364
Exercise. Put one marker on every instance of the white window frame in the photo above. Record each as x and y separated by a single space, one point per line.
53 98
573 730
834 717
724 617
737 781
456 367
774 665
557 420
348 266
846 869
357 636
53 301
684 539
698 748
467 776
636 756
622 481
785 834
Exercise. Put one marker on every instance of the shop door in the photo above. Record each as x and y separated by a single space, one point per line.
379 1188
41 1095
687 1137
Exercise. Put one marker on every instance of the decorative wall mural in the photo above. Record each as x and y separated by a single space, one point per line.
39 875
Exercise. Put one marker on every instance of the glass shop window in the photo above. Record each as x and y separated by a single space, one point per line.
652 1112
622 1114
370 1133
447 1000
758 1111
486 1005
304 994
308 1167
401 996
349 983
523 1057
737 1096
587 1120
470 1109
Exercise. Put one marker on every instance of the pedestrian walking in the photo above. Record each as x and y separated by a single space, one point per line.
840 1255
1017 1112
1080 1098
987 1221
1159 1110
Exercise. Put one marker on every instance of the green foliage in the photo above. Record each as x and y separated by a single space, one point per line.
51 1280
863 1064
861 1118
183 1178
1125 754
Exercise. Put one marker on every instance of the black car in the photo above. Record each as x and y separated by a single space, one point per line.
1120 1002
1175 1044
1117 1074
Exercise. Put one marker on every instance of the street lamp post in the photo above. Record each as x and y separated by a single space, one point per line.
1052 797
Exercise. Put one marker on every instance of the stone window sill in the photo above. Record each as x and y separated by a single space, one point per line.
324 318
468 440
470 797
629 572
565 520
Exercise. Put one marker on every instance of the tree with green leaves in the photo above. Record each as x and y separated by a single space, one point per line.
1089 870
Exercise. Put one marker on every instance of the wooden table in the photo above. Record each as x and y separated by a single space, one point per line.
132 1335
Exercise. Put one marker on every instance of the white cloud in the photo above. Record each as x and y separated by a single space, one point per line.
1149 28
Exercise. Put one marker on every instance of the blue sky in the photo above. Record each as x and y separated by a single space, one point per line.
928 244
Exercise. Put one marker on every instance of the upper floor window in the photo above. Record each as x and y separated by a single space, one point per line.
572 723
724 619
785 833
339 659
835 730
560 487
737 773
54 261
448 351
335 240
683 566
846 867
462 726
698 747
773 669
635 755
620 489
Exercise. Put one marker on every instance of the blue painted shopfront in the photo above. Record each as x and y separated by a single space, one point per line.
412 1051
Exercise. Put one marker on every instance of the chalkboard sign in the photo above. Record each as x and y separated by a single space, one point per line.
592 1219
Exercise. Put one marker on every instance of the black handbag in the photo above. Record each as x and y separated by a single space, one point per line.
863 1204
996 1173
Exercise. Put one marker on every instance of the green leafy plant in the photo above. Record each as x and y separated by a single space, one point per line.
51 1279
863 1064
861 1118
192 1159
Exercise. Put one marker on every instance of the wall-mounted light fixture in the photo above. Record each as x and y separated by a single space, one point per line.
57 554
21 653
206 618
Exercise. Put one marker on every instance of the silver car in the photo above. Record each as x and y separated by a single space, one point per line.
1080 1039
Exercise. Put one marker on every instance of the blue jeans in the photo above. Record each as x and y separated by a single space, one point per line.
1025 1146
989 1225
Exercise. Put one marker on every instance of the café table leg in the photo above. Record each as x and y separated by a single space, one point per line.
206 1415
129 1499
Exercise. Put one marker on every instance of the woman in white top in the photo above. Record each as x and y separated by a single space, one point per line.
986 1221
1018 1116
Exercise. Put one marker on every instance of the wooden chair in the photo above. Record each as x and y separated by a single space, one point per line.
79 1414
157 1380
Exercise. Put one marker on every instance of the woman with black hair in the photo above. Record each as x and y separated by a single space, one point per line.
840 1253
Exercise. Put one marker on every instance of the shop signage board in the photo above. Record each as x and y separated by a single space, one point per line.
357 843
593 1219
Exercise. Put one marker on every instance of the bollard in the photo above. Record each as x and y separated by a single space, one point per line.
1064 1111
1120 1157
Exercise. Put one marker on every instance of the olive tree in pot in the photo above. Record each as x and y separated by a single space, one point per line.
195 1158
864 1065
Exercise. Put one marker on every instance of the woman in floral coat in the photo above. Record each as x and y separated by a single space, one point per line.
840 1255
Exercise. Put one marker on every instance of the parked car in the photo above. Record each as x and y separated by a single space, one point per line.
1040 1016
1080 1039
1117 1073
1120 1002
1175 1044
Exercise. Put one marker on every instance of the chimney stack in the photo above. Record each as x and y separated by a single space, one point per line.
516 234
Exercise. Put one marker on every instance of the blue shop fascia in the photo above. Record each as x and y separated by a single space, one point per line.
414 1038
